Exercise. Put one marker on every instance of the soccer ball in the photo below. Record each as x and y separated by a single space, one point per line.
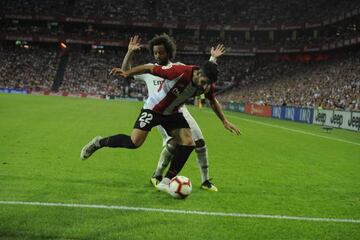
180 187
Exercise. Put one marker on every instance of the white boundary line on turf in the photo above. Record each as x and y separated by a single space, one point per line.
220 214
293 130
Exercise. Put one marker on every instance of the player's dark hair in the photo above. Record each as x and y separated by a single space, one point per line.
210 70
167 41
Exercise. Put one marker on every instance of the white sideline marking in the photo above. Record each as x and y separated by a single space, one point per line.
221 214
293 130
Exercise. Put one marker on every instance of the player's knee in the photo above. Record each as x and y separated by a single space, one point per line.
138 137
136 142
172 142
135 146
188 142
200 143
183 137
171 147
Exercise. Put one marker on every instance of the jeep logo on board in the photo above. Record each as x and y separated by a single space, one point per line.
321 117
354 122
337 119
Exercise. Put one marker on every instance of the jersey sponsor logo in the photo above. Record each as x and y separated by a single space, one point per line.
158 82
161 85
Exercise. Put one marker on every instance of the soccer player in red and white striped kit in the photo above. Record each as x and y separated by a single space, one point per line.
163 49
162 108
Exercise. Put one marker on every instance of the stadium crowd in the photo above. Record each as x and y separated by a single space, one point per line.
203 11
331 84
32 69
339 31
88 72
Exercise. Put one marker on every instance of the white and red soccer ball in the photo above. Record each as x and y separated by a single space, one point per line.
180 187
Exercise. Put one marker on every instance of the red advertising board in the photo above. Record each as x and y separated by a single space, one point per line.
259 110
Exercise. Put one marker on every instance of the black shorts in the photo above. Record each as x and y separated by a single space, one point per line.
149 119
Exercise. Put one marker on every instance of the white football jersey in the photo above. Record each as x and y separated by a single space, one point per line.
153 82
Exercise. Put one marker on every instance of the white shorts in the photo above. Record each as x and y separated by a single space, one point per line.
195 129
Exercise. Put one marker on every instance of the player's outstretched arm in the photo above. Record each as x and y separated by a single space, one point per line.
134 45
216 52
215 105
132 71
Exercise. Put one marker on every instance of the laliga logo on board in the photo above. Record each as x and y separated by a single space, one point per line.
305 115
289 113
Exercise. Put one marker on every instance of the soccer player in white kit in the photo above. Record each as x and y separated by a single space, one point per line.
163 48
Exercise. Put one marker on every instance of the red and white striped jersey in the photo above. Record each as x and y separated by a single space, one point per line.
153 83
174 90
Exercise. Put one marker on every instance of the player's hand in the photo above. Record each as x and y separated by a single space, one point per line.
135 43
218 51
120 72
231 127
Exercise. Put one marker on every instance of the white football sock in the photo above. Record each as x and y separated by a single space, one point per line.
164 160
202 160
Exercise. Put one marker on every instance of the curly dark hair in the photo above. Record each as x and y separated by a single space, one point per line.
167 41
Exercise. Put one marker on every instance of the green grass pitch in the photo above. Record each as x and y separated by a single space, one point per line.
273 168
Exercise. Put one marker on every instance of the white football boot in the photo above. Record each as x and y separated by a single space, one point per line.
164 185
90 148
